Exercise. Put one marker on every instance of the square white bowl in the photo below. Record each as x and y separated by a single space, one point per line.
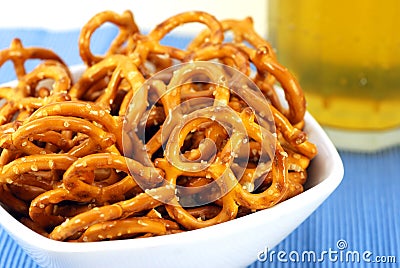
236 243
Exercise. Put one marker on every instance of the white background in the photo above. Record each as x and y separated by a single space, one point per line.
72 14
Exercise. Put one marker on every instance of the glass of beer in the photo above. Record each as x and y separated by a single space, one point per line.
346 56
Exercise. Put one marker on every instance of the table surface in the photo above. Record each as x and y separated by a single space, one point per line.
362 215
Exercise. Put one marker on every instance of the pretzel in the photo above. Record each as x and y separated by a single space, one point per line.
40 129
243 31
273 194
122 209
127 28
179 214
151 139
229 54
28 171
294 136
25 97
119 66
19 54
34 163
123 228
25 192
80 109
261 53
13 204
79 177
244 35
150 44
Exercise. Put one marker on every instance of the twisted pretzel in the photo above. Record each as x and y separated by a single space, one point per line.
22 100
243 31
127 28
122 209
149 45
18 54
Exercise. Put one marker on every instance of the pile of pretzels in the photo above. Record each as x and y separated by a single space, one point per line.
73 168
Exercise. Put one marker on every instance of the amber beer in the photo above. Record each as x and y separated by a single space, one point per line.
346 56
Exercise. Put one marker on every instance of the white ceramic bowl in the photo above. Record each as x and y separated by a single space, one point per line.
236 243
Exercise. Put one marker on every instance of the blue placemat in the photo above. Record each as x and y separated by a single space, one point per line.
358 225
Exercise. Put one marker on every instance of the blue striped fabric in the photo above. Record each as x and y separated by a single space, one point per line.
363 211
11 255
361 216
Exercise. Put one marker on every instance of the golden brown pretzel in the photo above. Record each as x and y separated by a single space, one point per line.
19 54
243 31
147 46
122 209
80 109
41 209
45 209
268 69
22 139
294 136
13 204
25 192
227 53
293 93
215 37
216 170
80 177
127 28
184 217
273 194
147 49
244 35
23 99
106 68
30 171
124 228
34 163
